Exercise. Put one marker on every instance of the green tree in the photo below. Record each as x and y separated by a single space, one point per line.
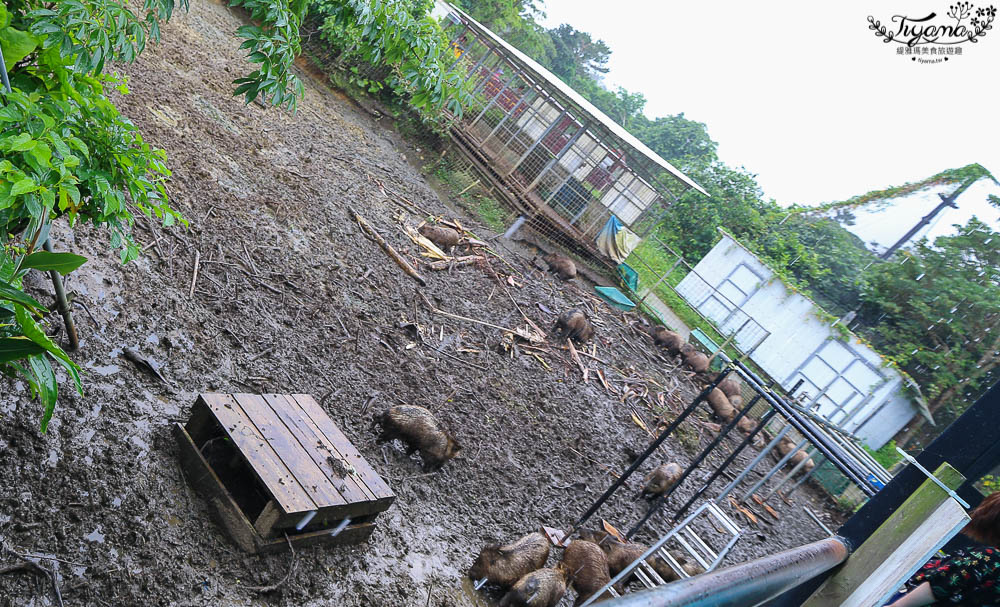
577 55
937 315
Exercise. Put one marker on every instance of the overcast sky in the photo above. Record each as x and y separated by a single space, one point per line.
803 94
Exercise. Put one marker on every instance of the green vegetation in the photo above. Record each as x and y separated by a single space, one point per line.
68 152
401 43
887 455
463 187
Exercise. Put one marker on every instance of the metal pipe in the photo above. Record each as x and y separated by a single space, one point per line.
746 584
559 156
539 139
645 454
729 460
3 72
774 470
834 454
753 464
507 116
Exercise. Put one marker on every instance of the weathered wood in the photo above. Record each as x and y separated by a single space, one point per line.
209 485
268 517
224 508
346 450
904 542
303 469
315 443
391 252
264 461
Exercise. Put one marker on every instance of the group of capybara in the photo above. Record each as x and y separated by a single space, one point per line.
586 566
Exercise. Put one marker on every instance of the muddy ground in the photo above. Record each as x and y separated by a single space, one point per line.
291 298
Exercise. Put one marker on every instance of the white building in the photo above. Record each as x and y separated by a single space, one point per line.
846 379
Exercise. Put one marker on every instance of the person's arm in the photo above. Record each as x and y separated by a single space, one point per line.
921 595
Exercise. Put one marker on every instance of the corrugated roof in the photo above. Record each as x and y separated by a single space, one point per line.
545 75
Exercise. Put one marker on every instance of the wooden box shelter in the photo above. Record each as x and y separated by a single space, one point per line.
276 465
553 157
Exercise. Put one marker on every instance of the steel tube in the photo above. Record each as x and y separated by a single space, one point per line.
746 584
645 454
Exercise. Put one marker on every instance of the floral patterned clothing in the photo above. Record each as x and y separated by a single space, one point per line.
965 577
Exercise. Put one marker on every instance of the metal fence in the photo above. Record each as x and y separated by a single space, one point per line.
661 271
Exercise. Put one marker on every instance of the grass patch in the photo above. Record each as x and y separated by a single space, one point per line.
462 184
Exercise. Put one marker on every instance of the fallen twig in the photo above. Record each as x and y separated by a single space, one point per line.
391 252
194 279
458 261
279 583
31 566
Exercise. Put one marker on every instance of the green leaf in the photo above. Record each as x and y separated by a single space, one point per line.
45 383
21 143
16 348
16 45
23 186
33 332
64 263
9 293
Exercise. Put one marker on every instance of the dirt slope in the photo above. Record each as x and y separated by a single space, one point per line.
291 298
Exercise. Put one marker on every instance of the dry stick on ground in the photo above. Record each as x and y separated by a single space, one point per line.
279 583
27 564
391 252
194 279
465 318
458 261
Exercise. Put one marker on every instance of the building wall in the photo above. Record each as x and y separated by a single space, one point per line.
845 379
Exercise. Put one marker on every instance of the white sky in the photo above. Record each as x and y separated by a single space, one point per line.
802 93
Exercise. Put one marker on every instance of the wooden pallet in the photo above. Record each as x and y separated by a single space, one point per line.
276 464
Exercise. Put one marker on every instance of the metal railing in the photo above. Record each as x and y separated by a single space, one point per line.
746 584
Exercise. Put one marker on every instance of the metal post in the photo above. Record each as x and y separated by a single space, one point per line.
569 145
645 454
774 470
63 305
506 117
729 460
3 73
760 456
495 97
482 82
752 583
790 474
820 460
540 138
661 279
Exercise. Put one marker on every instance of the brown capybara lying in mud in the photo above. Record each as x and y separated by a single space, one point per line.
721 405
421 431
440 235
693 359
505 565
660 479
730 386
540 588
667 339
622 554
561 265
785 446
574 324
587 568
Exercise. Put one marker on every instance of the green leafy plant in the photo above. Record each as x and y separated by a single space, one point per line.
68 152
404 38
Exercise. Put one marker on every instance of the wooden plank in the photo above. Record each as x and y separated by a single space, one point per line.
890 543
352 534
319 447
207 483
304 470
949 518
346 448
263 459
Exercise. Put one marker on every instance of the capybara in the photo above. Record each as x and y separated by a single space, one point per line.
562 266
720 404
418 428
746 425
667 339
730 386
540 588
661 478
505 565
574 324
736 401
785 446
587 569
693 359
622 554
440 235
